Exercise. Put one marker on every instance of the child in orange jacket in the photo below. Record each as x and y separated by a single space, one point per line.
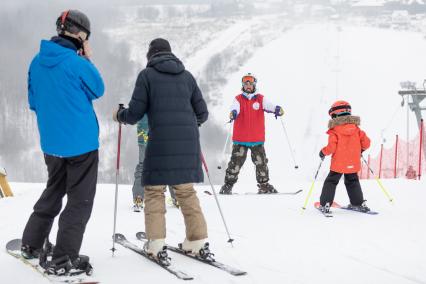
346 142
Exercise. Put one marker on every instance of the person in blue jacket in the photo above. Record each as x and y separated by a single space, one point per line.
62 84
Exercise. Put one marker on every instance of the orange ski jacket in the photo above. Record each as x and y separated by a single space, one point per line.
345 143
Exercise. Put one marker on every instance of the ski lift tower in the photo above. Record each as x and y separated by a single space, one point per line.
417 95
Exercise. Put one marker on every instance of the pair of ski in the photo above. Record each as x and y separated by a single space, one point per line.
121 239
336 205
255 193
13 248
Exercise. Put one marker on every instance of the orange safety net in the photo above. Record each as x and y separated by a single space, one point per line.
399 161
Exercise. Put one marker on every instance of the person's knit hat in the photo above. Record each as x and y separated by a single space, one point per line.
158 45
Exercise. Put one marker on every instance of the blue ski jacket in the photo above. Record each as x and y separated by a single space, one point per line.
61 88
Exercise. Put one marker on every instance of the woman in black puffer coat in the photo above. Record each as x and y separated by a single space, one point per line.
171 98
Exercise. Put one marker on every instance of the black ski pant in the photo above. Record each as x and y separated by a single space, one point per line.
238 157
353 187
75 177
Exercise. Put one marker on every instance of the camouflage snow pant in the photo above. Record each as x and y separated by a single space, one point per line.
238 157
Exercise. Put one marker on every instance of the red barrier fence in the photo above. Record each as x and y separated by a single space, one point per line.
403 160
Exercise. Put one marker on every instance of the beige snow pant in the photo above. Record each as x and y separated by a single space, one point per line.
155 210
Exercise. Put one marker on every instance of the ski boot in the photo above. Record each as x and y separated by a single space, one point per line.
266 188
226 189
325 209
199 248
29 252
157 250
362 208
64 266
138 204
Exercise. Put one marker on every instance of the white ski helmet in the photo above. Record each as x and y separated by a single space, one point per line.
249 77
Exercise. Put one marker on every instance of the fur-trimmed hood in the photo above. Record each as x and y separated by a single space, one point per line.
341 120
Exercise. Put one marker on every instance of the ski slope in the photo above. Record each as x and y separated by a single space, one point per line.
298 72
274 242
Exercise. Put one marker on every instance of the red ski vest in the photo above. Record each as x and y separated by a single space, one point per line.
250 123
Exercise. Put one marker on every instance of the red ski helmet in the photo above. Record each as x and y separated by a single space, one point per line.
340 108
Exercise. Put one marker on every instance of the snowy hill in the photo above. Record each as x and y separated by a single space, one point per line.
305 70
274 242
298 72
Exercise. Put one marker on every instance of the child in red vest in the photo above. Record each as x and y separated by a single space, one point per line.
346 142
247 112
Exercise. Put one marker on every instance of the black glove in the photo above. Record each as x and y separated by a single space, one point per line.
233 115
116 113
321 154
278 111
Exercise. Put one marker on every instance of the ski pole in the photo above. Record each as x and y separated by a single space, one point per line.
230 240
226 143
378 180
312 187
289 145
120 106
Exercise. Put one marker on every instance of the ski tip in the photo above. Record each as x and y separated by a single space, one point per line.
14 245
118 237
14 241
239 273
141 235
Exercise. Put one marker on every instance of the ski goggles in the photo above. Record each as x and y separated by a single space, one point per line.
340 109
249 79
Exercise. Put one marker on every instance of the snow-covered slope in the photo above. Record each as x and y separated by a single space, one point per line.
297 71
274 242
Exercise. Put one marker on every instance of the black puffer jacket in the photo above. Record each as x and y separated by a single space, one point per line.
175 106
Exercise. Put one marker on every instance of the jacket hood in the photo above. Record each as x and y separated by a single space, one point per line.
166 62
346 125
51 53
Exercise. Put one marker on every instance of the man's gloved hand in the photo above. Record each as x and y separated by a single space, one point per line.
321 154
233 115
278 111
115 113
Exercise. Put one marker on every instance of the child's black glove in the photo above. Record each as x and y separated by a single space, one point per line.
232 115
278 111
322 156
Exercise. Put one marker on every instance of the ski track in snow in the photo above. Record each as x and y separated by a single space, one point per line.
407 277
274 242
